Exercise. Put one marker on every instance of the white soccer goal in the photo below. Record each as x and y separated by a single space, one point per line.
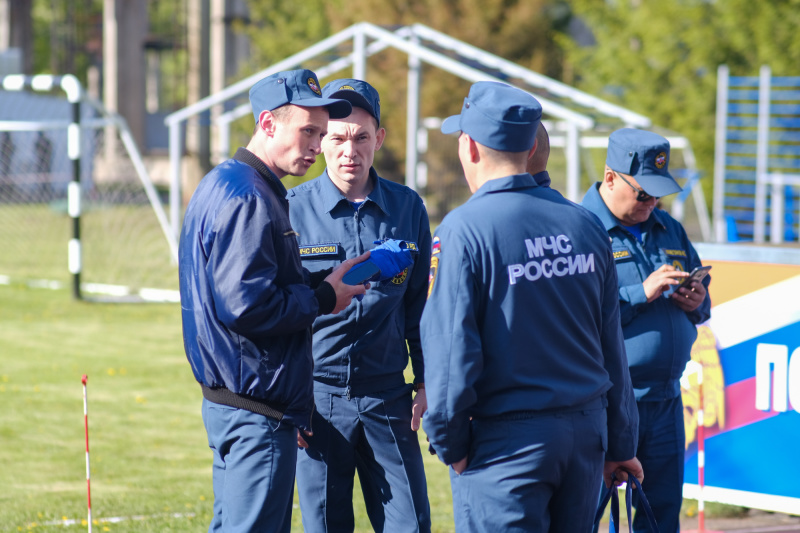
76 204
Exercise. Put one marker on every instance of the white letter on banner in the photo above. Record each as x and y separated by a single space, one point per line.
534 247
794 380
514 272
767 355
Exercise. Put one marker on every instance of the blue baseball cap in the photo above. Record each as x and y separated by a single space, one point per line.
297 87
498 116
645 156
359 93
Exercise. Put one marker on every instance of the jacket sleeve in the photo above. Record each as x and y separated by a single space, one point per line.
452 348
244 271
416 294
623 416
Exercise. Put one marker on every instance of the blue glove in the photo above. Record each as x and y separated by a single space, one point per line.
392 257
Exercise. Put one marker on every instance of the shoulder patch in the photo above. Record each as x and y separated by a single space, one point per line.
319 250
432 277
435 248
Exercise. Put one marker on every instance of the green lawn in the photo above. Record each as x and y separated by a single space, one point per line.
148 446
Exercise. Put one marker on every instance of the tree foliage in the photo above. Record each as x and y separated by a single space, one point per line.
660 57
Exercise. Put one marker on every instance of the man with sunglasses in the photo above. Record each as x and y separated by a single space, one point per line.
653 255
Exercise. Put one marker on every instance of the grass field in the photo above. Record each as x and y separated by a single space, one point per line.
148 446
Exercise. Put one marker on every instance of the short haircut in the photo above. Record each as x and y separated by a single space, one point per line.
281 114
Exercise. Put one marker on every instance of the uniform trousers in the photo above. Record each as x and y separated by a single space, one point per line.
370 435
531 475
661 451
253 470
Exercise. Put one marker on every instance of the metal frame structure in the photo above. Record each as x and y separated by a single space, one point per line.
757 153
576 110
77 96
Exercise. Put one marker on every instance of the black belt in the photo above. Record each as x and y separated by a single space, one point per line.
224 396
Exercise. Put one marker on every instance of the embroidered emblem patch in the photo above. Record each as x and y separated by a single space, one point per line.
435 249
661 160
621 254
432 277
314 87
346 88
675 253
400 278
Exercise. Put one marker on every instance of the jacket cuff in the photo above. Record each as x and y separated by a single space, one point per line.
326 297
318 277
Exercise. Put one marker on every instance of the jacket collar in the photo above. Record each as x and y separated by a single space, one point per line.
506 183
331 195
249 158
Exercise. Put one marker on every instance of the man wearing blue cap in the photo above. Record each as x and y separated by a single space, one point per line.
247 305
652 255
365 420
528 389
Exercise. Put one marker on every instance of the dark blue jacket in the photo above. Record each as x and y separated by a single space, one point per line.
362 349
522 316
247 309
658 335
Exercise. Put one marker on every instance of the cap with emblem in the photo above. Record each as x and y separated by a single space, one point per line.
357 92
296 87
645 156
498 116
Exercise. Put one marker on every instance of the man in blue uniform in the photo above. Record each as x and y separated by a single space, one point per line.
652 255
247 306
537 164
525 367
365 420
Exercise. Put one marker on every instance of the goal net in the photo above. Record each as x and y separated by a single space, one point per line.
125 248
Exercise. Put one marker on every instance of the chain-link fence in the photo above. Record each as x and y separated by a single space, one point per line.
123 247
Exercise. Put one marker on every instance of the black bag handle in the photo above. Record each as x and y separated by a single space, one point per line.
612 494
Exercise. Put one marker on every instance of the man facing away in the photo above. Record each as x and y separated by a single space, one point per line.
528 389
365 421
247 306
652 255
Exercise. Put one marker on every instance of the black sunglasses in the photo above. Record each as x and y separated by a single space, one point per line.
641 196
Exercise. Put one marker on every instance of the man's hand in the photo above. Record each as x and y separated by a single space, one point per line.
622 469
301 442
345 292
689 298
418 408
460 466
661 280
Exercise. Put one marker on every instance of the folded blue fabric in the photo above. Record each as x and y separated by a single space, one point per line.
392 257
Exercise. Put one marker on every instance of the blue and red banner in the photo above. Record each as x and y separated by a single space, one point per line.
750 352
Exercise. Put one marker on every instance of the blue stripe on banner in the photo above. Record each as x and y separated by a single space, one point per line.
739 459
737 361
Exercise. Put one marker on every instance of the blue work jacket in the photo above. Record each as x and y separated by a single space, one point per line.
658 335
365 348
246 307
522 317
